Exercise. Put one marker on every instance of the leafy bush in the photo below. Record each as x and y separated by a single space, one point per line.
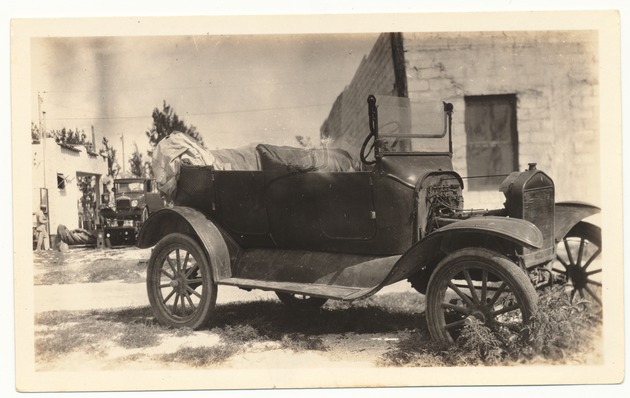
558 332
560 328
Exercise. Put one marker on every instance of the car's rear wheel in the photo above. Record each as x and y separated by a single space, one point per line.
578 264
476 284
301 301
181 290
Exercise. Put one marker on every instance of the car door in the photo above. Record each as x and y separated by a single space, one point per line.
320 210
240 201
345 204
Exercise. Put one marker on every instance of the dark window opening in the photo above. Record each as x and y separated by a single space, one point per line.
61 181
491 140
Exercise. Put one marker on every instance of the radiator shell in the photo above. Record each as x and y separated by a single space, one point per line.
530 195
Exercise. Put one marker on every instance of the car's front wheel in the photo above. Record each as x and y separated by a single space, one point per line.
181 290
476 284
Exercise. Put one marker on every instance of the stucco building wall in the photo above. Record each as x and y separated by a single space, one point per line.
49 160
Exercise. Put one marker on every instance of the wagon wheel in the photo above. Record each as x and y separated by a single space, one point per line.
301 301
577 262
479 284
180 286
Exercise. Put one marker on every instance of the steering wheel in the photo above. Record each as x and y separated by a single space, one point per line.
363 154
393 145
392 127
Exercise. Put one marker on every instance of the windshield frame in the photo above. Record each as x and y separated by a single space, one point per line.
129 184
380 142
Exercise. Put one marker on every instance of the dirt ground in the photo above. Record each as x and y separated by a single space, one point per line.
63 283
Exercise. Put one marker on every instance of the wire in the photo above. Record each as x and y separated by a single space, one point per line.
196 114
202 86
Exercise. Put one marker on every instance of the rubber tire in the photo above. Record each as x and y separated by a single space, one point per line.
454 263
209 293
588 231
310 303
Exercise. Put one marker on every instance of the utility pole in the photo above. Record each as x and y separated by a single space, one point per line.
42 115
39 113
122 137
42 134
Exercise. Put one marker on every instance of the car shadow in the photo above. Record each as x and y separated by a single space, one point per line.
272 320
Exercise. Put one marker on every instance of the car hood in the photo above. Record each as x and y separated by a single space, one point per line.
411 168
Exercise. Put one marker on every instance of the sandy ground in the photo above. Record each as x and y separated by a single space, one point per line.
346 350
345 353
120 294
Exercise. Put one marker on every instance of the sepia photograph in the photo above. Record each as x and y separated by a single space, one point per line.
301 202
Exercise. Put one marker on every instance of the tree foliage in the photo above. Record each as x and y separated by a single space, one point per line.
136 163
165 121
113 168
71 137
148 169
87 187
138 166
35 133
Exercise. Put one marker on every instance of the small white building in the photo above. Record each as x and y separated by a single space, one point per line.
57 169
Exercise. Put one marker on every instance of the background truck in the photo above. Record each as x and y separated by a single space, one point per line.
135 199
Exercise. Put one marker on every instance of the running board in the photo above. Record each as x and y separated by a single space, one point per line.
345 293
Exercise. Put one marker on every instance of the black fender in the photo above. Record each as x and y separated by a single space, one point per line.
195 224
498 233
568 214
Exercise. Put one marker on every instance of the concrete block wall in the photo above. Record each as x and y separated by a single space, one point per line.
555 78
347 125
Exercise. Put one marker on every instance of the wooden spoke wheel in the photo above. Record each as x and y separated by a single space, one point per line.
578 262
181 290
476 283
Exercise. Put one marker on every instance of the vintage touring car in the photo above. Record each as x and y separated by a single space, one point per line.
314 225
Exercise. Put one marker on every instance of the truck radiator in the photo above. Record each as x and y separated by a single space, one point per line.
123 204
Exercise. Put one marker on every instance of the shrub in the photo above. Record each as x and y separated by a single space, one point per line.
558 331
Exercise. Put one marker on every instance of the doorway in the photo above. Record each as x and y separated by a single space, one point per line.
491 140
89 200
